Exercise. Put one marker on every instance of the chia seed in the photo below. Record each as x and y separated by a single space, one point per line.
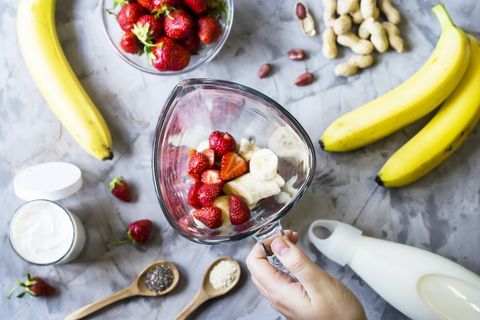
159 278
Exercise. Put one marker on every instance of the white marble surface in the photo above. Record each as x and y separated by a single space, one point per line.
440 213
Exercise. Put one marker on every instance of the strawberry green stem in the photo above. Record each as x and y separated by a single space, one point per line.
109 244
443 16
111 12
25 284
10 293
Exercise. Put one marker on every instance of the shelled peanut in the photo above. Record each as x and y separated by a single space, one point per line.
363 26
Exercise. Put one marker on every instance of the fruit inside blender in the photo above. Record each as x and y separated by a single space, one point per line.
230 177
268 161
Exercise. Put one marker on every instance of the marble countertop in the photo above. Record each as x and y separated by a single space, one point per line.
440 213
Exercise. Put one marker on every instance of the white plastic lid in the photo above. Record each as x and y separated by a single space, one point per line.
49 181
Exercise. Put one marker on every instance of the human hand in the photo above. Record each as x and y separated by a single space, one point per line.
316 295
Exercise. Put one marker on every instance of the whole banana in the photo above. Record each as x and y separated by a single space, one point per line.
443 134
411 100
56 80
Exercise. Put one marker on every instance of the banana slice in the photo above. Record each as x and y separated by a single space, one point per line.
283 197
223 203
265 189
288 187
286 144
278 180
204 145
246 149
241 187
264 164
252 190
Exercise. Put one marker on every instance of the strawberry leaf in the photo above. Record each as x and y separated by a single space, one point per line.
144 35
119 2
163 10
150 55
217 9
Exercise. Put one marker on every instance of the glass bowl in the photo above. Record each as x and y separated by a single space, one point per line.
205 55
195 108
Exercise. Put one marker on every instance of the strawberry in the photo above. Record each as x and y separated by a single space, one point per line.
169 55
179 25
120 189
239 211
147 4
211 176
209 30
232 166
192 197
210 153
153 25
192 43
207 194
209 216
197 163
130 44
129 14
197 6
34 286
222 142
137 232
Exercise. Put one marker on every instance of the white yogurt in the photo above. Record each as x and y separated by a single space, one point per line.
42 232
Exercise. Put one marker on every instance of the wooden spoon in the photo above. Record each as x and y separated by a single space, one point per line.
137 288
207 291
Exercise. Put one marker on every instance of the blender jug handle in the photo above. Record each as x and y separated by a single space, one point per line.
269 232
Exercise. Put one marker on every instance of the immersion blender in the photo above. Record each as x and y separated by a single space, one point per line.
420 284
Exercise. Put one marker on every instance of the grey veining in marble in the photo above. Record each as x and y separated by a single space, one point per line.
440 213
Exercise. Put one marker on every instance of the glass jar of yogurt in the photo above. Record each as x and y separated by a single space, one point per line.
44 233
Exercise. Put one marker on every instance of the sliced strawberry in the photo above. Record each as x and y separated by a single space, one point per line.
222 142
211 176
239 211
192 197
209 216
197 163
210 153
207 194
233 166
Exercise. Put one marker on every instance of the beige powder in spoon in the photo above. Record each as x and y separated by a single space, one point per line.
223 274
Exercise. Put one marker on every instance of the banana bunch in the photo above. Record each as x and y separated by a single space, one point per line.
56 80
452 76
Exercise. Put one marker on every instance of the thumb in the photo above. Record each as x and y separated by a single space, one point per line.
297 262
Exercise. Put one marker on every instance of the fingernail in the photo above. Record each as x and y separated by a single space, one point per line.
279 246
